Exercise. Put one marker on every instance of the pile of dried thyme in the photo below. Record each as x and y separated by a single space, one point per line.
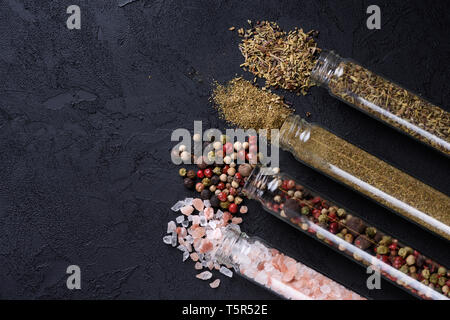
284 59
244 105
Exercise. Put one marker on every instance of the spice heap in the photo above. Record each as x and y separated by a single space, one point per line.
282 274
383 99
199 233
369 175
221 183
284 59
244 105
196 233
290 201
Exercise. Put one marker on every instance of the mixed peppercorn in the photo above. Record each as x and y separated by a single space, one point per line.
301 207
221 182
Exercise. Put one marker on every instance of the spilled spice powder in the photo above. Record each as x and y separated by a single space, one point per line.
243 105
284 59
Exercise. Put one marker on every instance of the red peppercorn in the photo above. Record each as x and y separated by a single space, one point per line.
398 262
276 207
200 174
225 169
252 140
383 258
221 186
316 213
228 148
233 208
316 200
237 176
208 173
332 215
233 191
222 196
393 246
290 184
284 185
334 227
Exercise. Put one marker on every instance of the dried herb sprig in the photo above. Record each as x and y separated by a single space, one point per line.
284 59
244 105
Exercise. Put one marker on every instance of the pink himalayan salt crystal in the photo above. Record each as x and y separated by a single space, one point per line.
215 284
197 232
226 216
243 209
290 273
198 266
187 210
209 213
181 231
210 265
198 204
205 275
236 220
216 234
205 246
194 256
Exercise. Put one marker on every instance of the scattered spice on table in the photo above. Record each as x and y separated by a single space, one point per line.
244 105
285 60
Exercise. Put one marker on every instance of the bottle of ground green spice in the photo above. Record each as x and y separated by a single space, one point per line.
348 164
383 100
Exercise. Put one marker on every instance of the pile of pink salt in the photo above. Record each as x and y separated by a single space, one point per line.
287 277
200 231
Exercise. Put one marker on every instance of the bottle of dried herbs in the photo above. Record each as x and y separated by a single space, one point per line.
348 164
345 232
383 100
293 61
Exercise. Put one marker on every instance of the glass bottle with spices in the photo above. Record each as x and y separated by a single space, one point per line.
383 99
260 263
346 163
329 222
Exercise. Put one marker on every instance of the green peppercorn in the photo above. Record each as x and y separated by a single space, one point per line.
217 171
442 281
340 212
305 211
224 205
382 250
426 273
371 232
182 172
323 218
442 271
404 268
425 282
340 235
206 182
434 278
385 241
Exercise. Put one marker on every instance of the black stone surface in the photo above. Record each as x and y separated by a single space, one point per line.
85 123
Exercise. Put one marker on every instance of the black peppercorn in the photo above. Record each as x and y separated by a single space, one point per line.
205 194
214 201
188 183
355 226
362 242
215 180
292 208
191 174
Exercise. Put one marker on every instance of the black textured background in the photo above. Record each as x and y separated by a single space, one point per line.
86 118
